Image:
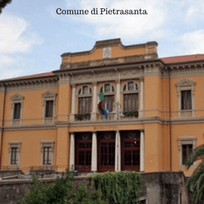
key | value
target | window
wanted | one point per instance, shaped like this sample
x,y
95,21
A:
x,y
185,89
16,109
186,145
14,153
109,93
47,155
186,103
49,109
186,152
47,148
49,99
84,100
130,97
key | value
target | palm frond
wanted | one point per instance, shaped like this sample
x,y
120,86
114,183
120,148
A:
x,y
198,153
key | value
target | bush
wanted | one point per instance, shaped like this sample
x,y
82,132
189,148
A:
x,y
60,192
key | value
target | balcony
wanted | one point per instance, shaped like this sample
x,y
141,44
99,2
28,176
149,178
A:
x,y
186,113
111,116
130,114
82,117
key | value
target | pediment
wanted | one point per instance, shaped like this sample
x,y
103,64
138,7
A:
x,y
49,94
17,97
185,83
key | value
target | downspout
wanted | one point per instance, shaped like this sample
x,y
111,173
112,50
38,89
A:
x,y
2,125
170,131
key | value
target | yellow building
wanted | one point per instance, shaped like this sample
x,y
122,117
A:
x,y
155,112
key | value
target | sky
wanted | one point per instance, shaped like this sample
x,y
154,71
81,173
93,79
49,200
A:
x,y
33,35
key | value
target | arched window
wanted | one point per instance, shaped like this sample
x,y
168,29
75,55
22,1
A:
x,y
130,96
109,93
84,100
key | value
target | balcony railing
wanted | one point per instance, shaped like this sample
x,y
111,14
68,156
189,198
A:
x,y
111,116
130,114
186,113
82,117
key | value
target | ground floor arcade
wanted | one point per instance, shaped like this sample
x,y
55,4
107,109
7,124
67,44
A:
x,y
107,151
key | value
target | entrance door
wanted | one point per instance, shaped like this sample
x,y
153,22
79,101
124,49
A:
x,y
106,151
83,152
130,141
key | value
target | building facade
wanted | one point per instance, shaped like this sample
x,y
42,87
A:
x,y
156,112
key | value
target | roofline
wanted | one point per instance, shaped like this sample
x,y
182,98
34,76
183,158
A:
x,y
109,42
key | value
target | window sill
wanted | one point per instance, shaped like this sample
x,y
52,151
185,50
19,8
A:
x,y
186,113
49,120
16,122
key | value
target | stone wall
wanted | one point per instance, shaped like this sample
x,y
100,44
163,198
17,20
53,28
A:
x,y
157,188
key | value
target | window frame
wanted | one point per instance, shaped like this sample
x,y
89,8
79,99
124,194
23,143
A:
x,y
112,92
48,96
80,95
185,141
14,144
49,144
135,90
15,100
185,85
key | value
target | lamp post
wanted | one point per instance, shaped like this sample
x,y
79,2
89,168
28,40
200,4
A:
x,y
118,114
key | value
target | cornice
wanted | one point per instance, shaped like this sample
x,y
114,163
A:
x,y
30,83
109,61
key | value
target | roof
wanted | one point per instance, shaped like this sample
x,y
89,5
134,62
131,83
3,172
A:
x,y
184,58
46,74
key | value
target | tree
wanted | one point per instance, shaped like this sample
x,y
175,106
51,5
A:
x,y
60,192
3,3
196,181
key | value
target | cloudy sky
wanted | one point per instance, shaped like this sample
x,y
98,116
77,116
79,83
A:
x,y
33,36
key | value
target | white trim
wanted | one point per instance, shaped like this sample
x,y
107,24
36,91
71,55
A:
x,y
184,141
49,96
18,145
185,85
47,143
16,99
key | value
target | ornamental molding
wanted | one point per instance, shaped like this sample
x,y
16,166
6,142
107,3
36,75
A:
x,y
49,94
64,78
31,84
185,83
184,70
17,97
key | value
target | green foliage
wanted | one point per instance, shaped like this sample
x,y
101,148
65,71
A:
x,y
84,196
130,113
118,187
82,116
60,192
196,182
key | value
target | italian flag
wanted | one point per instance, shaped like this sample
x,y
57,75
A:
x,y
103,105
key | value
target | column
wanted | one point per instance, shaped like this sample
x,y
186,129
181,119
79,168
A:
x,y
141,112
117,152
73,102
72,153
142,150
93,115
94,153
117,95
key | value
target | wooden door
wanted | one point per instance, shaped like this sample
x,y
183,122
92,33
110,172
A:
x,y
130,150
83,149
106,151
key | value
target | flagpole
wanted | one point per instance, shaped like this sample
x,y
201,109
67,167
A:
x,y
117,133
